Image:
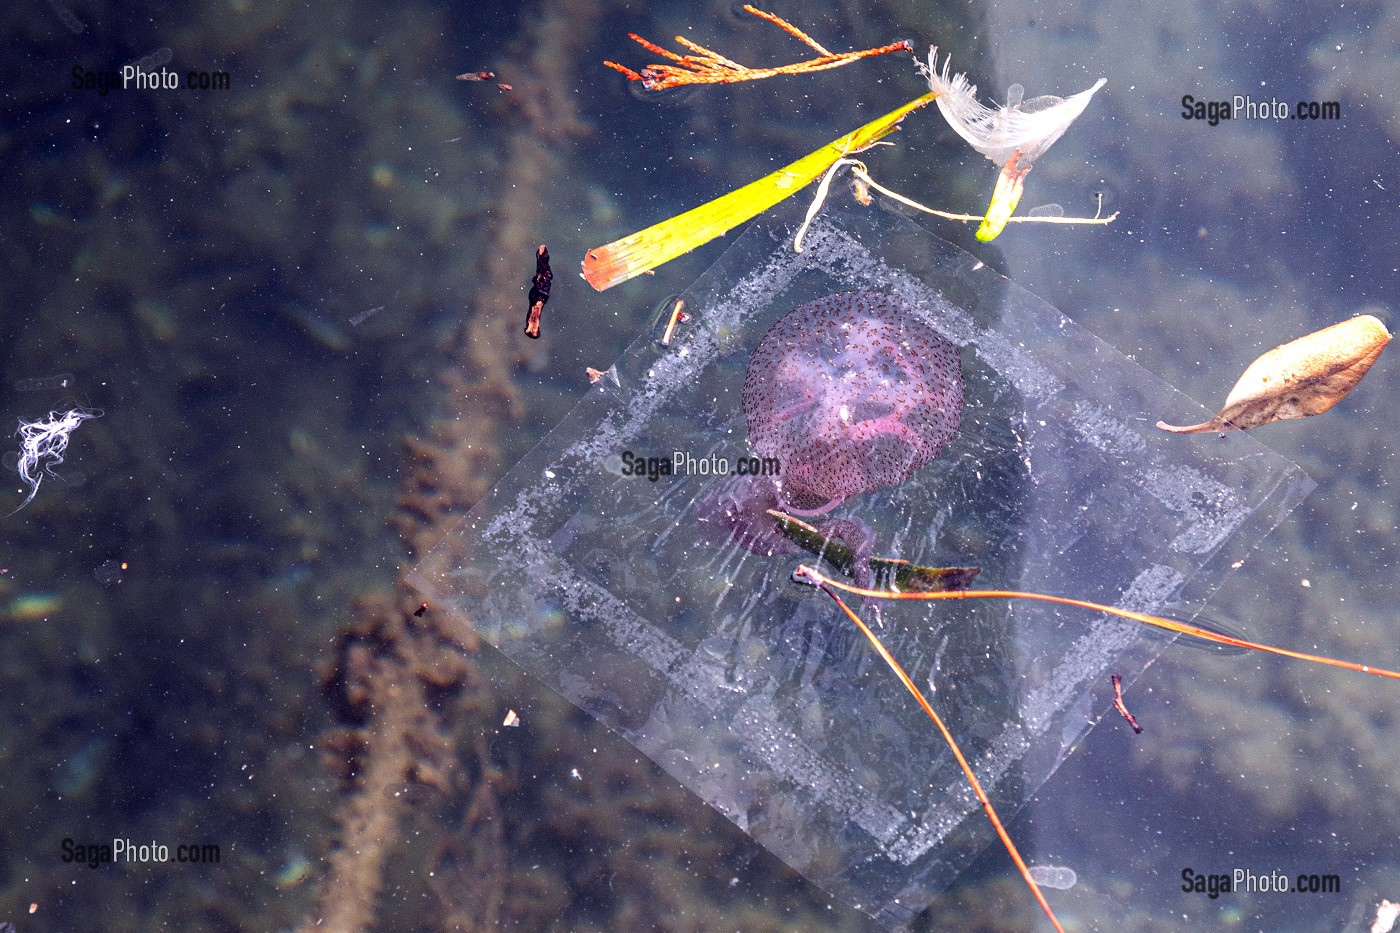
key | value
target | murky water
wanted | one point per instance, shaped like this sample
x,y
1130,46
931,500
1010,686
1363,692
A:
x,y
266,287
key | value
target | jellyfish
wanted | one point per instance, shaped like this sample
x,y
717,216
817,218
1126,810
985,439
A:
x,y
849,393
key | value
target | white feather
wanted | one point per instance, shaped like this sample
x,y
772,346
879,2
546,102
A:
x,y
1029,127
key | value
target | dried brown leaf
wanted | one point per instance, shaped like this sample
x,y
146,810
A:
x,y
1304,377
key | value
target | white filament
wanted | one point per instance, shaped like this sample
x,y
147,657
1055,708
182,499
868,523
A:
x,y
46,440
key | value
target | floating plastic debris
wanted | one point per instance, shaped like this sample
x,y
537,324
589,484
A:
x,y
751,690
363,316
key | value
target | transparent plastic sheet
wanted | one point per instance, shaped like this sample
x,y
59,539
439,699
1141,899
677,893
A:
x,y
753,691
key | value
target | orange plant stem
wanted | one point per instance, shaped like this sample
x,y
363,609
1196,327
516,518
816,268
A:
x,y
808,574
952,743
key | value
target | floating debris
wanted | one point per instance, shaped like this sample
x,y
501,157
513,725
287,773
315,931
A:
x,y
708,67
1387,913
596,375
512,720
539,292
154,60
676,313
46,441
640,252
75,26
476,76
45,383
1304,377
889,573
1122,707
1012,136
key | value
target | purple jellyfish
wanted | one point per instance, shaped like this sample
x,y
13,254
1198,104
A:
x,y
850,393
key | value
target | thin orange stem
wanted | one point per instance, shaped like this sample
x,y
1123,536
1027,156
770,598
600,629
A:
x,y
654,48
809,574
706,56
947,737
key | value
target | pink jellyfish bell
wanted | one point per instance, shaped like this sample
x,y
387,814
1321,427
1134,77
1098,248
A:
x,y
851,393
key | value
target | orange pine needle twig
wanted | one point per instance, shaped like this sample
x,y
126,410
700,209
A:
x,y
810,575
820,581
709,67
807,574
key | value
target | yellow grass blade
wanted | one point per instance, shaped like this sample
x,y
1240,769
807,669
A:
x,y
632,255
1011,183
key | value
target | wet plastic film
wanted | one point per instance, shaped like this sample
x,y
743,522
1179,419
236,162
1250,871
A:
x,y
753,691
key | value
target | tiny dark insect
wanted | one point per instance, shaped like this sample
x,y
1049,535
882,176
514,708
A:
x,y
418,613
539,292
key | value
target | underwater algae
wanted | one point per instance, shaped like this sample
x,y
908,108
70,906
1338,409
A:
x,y
744,687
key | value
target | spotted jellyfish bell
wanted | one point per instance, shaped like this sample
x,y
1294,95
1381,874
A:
x,y
850,393
1012,136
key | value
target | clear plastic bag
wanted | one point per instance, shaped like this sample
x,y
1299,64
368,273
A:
x,y
753,691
